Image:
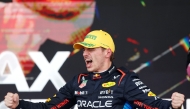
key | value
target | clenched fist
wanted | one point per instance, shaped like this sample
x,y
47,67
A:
x,y
11,100
177,100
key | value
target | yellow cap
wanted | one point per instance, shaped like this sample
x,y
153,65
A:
x,y
96,38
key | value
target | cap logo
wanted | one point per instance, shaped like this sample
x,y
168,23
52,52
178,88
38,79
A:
x,y
87,44
91,37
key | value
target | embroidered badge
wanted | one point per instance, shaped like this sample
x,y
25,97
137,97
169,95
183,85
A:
x,y
96,76
83,84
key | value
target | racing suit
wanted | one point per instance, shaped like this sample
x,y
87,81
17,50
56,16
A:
x,y
116,88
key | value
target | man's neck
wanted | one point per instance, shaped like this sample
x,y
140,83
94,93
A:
x,y
109,65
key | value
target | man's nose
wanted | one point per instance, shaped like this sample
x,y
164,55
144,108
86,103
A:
x,y
85,52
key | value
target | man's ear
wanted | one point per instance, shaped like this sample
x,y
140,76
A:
x,y
108,52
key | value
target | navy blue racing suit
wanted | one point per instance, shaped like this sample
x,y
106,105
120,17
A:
x,y
116,88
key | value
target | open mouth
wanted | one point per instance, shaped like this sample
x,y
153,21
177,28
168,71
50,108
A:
x,y
88,63
58,10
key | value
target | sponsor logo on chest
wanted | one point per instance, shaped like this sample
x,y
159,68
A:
x,y
108,84
103,92
94,104
81,92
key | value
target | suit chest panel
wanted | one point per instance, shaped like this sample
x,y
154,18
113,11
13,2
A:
x,y
99,93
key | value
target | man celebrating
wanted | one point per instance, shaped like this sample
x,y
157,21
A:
x,y
103,86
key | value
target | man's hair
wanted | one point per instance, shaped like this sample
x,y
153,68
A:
x,y
112,57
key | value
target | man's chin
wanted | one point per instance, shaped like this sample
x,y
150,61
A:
x,y
89,69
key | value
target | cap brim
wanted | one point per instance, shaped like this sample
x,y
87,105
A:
x,y
80,45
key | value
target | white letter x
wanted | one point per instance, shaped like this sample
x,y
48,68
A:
x,y
49,71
